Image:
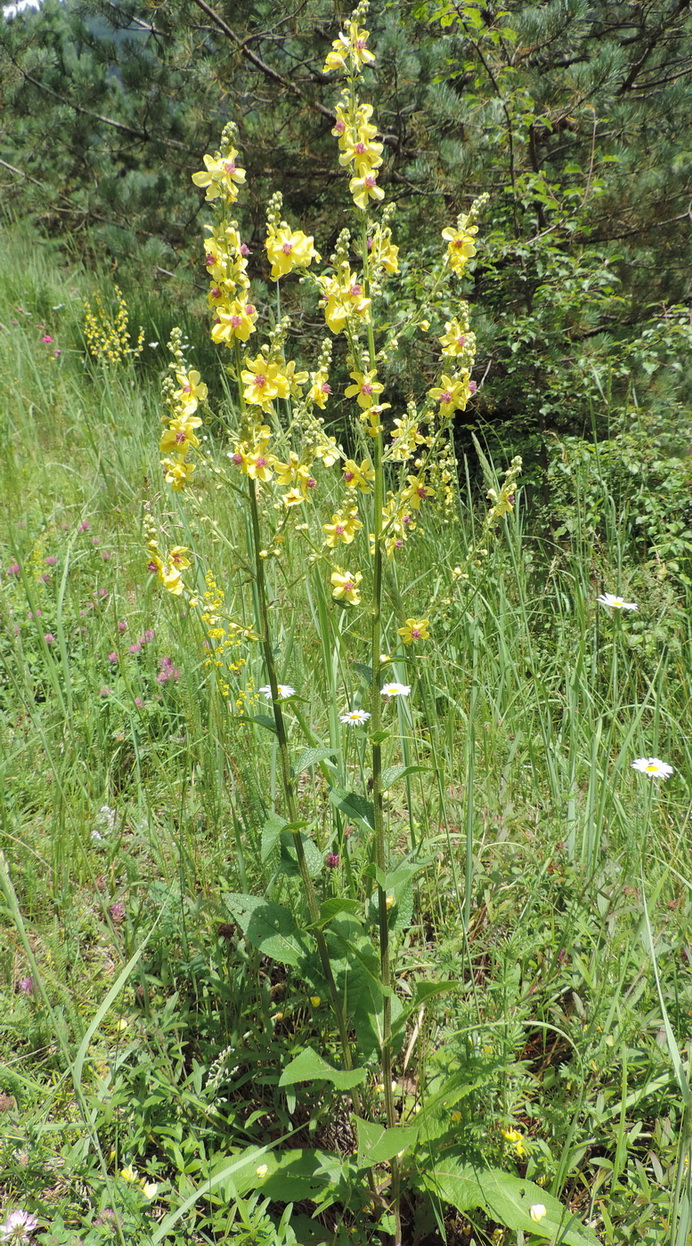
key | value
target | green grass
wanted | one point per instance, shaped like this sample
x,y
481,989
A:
x,y
555,881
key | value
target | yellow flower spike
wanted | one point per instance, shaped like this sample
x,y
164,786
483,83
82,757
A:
x,y
345,586
414,629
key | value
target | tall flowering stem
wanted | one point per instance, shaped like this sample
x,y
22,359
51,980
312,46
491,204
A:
x,y
281,445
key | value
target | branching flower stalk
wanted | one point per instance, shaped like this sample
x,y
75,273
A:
x,y
281,446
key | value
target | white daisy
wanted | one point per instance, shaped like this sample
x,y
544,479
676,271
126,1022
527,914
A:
x,y
653,766
284,691
395,690
356,717
616,603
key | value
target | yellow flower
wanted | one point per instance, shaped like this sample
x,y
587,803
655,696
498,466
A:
x,y
237,320
192,391
342,298
222,176
149,1188
365,390
457,339
342,528
364,154
257,466
294,497
177,472
129,1173
345,585
356,477
263,381
262,1170
315,1001
319,390
460,245
365,188
180,435
296,380
416,491
349,47
289,249
516,1140
414,629
452,394
328,451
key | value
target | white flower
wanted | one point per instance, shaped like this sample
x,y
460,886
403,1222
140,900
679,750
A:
x,y
653,766
537,1212
616,603
395,690
284,691
18,1227
357,717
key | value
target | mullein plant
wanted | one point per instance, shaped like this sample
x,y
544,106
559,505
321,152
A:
x,y
280,459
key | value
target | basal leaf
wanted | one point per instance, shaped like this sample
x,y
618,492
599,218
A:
x,y
507,1198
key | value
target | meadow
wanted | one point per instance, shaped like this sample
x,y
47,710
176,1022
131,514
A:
x,y
284,959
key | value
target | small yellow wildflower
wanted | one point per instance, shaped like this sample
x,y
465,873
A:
x,y
289,249
234,320
365,390
262,1170
414,629
345,585
356,477
460,244
364,189
222,176
192,391
342,528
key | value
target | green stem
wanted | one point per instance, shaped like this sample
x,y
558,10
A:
x,y
375,723
289,787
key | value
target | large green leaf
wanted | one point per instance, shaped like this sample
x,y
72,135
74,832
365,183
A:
x,y
376,1144
506,1198
353,806
312,756
309,1066
269,927
393,773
